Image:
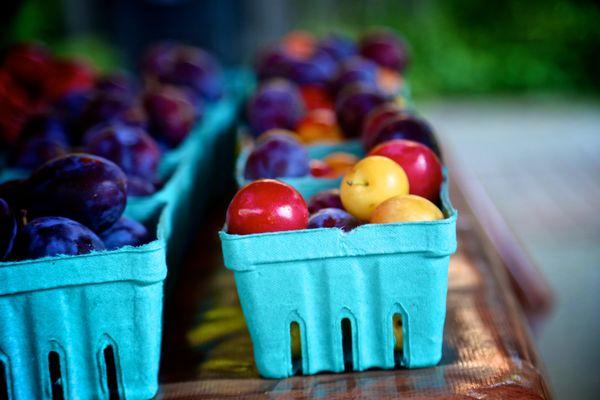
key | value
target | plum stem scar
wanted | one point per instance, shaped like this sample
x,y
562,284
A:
x,y
357,183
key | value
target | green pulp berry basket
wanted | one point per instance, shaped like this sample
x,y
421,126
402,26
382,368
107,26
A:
x,y
322,278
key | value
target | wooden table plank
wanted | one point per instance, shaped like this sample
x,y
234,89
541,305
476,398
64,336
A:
x,y
487,350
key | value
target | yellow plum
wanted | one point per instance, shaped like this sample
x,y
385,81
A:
x,y
371,181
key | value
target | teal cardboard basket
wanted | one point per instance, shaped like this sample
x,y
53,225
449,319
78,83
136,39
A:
x,y
323,278
89,326
83,327
306,185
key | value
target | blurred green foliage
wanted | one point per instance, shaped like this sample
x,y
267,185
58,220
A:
x,y
44,20
470,46
457,46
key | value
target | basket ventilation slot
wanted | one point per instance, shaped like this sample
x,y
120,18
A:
x,y
112,382
56,380
296,347
398,340
3,382
347,344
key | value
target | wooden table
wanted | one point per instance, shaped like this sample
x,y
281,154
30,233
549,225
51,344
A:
x,y
488,352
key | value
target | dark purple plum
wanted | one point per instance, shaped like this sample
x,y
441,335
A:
x,y
118,84
139,187
135,115
325,199
125,232
83,187
52,236
352,106
338,46
332,218
172,112
272,62
197,70
277,157
69,110
355,70
8,229
130,147
385,48
409,127
28,63
276,104
37,151
13,191
104,107
43,138
45,126
158,59
319,69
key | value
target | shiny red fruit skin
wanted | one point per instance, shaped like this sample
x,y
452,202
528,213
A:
x,y
266,205
319,168
316,97
28,62
421,165
68,75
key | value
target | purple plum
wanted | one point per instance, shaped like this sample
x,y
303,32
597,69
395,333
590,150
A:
x,y
43,138
8,229
318,69
37,151
277,157
276,104
83,187
332,218
272,62
355,70
158,59
125,232
46,126
69,110
52,236
409,127
197,70
104,107
172,112
130,147
385,48
325,199
137,186
352,106
13,192
338,46
118,84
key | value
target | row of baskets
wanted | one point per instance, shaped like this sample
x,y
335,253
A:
x,y
90,326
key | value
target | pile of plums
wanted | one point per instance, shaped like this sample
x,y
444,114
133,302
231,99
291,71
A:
x,y
71,205
51,107
279,154
322,88
399,181
328,90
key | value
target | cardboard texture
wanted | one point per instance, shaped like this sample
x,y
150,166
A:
x,y
319,277
76,307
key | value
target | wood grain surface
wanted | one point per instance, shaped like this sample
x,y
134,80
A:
x,y
207,352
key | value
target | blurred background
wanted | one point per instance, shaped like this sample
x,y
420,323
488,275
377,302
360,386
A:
x,y
512,88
